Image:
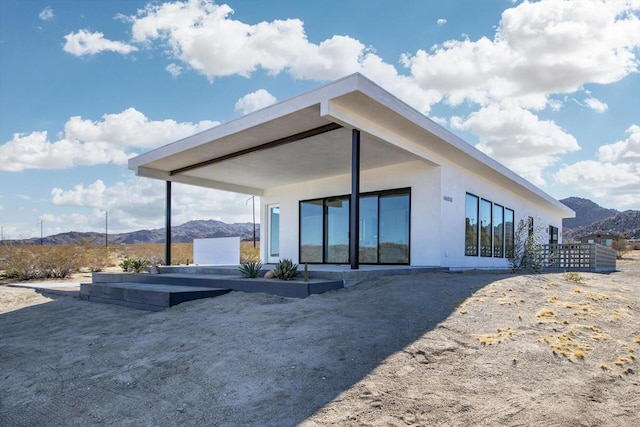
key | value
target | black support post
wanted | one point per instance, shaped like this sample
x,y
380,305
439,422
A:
x,y
167,240
354,202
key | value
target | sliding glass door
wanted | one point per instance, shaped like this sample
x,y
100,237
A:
x,y
394,229
337,229
311,231
384,228
369,229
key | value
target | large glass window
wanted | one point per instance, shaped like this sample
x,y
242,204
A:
x,y
471,226
383,228
311,231
498,231
485,228
394,229
337,229
553,235
508,233
369,229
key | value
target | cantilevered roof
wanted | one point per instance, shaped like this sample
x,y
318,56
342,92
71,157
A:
x,y
309,137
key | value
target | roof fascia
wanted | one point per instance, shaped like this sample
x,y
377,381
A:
x,y
386,99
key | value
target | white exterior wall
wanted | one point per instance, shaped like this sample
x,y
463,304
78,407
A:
x,y
437,225
423,179
458,181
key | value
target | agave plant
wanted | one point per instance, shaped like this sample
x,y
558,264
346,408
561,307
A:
x,y
285,269
250,269
134,264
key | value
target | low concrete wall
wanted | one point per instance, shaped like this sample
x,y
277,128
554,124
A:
x,y
217,251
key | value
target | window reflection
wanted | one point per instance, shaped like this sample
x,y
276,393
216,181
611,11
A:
x,y
383,229
311,229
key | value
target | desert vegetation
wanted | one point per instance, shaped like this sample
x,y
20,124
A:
x,y
30,262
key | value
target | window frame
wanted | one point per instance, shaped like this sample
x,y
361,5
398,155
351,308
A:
x,y
396,191
477,228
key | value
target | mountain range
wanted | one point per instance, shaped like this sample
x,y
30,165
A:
x,y
593,218
590,218
184,233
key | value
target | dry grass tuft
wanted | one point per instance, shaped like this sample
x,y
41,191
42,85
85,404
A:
x,y
572,276
567,347
596,296
605,367
546,313
621,361
502,335
620,313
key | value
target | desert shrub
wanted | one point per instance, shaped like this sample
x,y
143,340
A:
x,y
28,262
285,269
135,265
59,262
621,246
527,248
572,276
125,264
250,269
19,262
96,258
248,253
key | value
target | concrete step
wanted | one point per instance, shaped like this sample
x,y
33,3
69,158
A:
x,y
146,296
292,288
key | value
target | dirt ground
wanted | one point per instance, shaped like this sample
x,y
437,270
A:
x,y
474,348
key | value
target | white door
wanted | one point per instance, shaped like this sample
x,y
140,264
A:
x,y
273,235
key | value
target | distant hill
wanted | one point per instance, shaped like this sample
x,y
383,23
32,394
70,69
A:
x,y
593,218
587,212
180,234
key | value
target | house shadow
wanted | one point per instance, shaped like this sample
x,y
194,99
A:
x,y
238,359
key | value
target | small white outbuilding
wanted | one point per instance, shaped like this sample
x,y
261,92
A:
x,y
349,174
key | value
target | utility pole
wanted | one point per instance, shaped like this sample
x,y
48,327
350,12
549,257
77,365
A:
x,y
41,234
106,229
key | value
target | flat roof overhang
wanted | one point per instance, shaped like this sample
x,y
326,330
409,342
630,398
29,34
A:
x,y
308,137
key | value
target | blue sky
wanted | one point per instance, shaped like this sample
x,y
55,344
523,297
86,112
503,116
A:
x,y
551,89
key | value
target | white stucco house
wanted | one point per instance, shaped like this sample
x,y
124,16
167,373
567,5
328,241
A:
x,y
349,174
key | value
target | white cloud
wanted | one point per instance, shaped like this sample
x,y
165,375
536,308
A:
x,y
441,21
139,203
174,69
202,35
539,48
518,139
84,42
613,177
627,151
46,14
86,142
254,101
596,105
